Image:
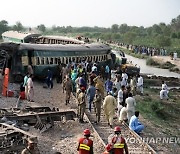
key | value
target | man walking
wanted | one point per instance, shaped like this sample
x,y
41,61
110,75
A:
x,y
90,95
97,105
109,106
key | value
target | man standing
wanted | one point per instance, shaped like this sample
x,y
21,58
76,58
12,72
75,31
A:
x,y
134,123
107,72
90,95
49,81
99,85
25,84
120,99
68,87
32,147
117,142
30,93
109,106
108,85
97,105
81,104
85,145
131,103
133,84
140,84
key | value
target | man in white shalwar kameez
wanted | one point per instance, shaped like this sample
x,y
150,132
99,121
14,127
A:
x,y
30,89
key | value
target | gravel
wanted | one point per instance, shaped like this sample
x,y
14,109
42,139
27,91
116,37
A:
x,y
63,137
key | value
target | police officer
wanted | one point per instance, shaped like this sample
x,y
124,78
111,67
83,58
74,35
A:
x,y
85,145
97,105
81,104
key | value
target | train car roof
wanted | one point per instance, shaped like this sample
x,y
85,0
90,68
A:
x,y
66,47
18,35
61,38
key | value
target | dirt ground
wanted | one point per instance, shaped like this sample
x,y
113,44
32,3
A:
x,y
164,59
63,137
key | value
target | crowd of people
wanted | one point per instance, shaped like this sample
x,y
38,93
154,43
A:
x,y
92,85
97,90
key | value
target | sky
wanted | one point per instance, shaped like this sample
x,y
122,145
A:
x,y
78,13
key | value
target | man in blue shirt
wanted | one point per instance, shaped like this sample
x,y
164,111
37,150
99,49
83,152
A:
x,y
134,123
90,95
108,85
49,77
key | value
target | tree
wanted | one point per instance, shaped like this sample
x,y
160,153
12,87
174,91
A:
x,y
173,35
124,28
156,29
18,26
162,41
114,28
41,27
3,26
129,37
175,23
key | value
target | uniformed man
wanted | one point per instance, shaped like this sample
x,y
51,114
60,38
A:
x,y
109,106
117,142
99,85
32,147
68,87
85,145
97,104
81,104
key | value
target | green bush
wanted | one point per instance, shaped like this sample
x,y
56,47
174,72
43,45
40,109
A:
x,y
152,62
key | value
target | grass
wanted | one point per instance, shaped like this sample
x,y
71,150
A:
x,y
164,114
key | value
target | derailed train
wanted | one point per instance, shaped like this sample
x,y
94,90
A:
x,y
48,52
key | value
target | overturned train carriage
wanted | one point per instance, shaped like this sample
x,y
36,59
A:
x,y
44,56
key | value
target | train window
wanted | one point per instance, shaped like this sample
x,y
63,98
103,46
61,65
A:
x,y
47,60
101,58
42,61
63,60
96,58
51,60
56,60
37,61
73,59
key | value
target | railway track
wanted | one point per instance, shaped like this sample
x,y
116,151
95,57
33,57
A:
x,y
134,141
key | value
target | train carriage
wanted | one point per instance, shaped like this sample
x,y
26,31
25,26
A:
x,y
44,56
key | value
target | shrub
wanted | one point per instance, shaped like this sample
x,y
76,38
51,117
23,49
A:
x,y
152,62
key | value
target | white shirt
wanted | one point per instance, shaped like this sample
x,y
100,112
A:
x,y
120,96
117,84
164,86
163,94
94,68
123,114
140,81
131,103
125,76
